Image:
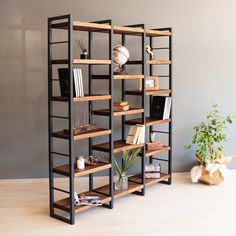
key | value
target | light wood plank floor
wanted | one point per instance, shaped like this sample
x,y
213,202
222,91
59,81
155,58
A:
x,y
182,209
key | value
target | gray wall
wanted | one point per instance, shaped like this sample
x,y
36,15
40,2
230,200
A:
x,y
204,70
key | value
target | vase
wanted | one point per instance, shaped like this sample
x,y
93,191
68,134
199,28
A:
x,y
121,182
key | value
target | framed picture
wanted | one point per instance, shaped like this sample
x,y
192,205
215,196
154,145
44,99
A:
x,y
151,83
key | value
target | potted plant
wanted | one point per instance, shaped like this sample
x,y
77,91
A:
x,y
129,159
209,138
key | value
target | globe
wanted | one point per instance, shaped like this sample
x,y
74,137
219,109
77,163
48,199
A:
x,y
120,57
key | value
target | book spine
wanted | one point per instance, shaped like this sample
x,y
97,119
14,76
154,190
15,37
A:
x,y
75,82
82,86
165,108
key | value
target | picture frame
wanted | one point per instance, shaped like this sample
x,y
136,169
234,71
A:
x,y
151,83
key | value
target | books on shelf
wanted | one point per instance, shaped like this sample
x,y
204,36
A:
x,y
153,171
120,106
120,103
87,200
78,88
136,134
160,108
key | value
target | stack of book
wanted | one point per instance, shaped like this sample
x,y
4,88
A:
x,y
120,106
153,171
136,134
78,90
160,108
87,200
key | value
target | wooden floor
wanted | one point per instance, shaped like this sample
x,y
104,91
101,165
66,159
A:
x,y
182,209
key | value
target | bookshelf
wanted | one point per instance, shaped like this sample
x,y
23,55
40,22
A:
x,y
137,182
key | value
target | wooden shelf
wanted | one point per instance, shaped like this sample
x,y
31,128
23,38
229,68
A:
x,y
64,204
128,77
132,187
158,62
148,182
127,30
119,146
118,77
94,97
149,121
87,26
88,134
131,111
157,33
65,169
148,92
84,26
91,61
155,152
104,28
83,61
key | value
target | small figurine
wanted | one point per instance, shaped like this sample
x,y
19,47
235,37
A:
x,y
76,199
152,136
84,54
80,162
149,51
92,160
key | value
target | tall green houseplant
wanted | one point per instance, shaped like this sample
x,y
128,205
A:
x,y
209,136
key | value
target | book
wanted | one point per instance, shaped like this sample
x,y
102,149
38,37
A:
x,y
160,107
168,108
76,82
131,134
121,108
78,90
79,82
89,200
81,87
63,74
136,134
120,103
141,135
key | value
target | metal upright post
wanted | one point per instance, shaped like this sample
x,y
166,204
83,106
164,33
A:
x,y
50,123
71,116
123,87
170,123
143,106
90,109
111,126
150,99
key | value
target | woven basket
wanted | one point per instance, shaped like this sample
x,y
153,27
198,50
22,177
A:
x,y
215,179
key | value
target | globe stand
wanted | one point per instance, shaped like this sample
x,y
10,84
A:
x,y
119,70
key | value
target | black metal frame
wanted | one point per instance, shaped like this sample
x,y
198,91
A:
x,y
143,69
67,22
169,132
52,153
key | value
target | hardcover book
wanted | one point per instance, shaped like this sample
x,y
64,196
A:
x,y
64,82
160,108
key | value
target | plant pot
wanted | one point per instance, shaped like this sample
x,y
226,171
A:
x,y
121,182
215,179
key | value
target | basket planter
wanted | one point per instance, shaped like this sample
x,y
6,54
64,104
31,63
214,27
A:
x,y
214,179
211,173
